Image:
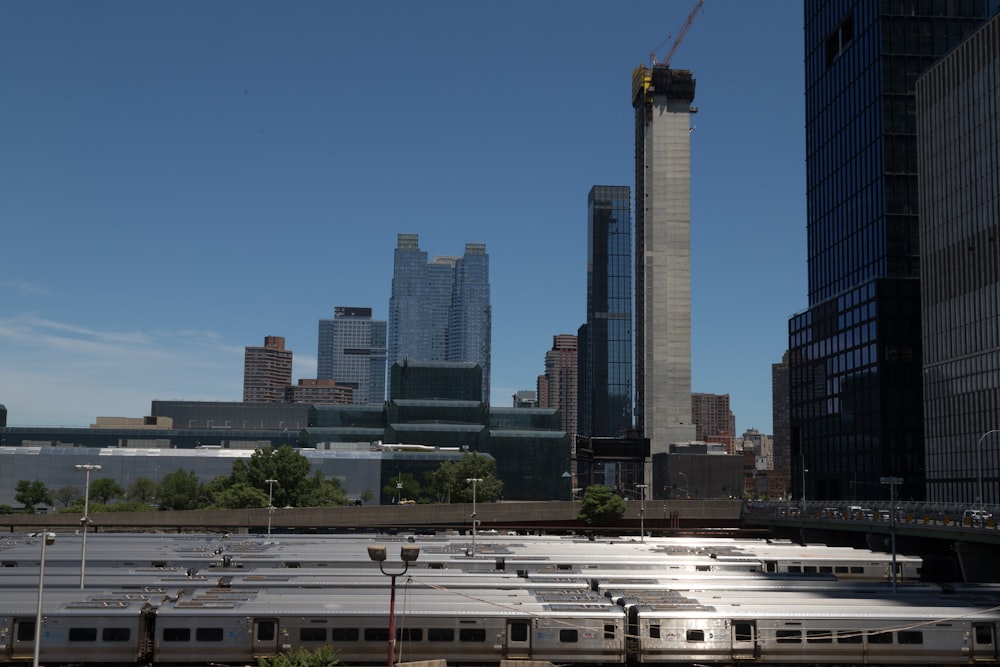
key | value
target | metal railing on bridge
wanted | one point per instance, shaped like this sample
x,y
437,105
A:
x,y
880,512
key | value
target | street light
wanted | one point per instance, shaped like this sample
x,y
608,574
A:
x,y
86,468
408,553
270,505
687,489
47,539
642,511
804,471
893,482
473,481
979,467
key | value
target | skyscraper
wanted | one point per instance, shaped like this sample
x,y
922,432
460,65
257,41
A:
x,y
558,387
662,100
605,376
352,351
959,146
855,354
267,371
713,419
440,310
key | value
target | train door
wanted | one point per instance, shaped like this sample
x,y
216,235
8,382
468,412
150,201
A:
x,y
744,640
518,639
23,639
984,642
265,636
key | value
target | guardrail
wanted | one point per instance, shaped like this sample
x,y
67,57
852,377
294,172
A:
x,y
914,513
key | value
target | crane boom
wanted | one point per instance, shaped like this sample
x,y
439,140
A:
x,y
680,37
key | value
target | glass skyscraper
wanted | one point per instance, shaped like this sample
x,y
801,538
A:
x,y
440,310
351,350
605,377
855,354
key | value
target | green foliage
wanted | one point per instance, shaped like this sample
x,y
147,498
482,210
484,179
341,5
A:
x,y
447,483
402,487
295,484
31,494
180,490
323,493
66,495
237,496
366,496
324,656
141,490
103,490
601,505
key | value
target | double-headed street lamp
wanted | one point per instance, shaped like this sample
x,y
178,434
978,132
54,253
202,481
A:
x,y
47,539
86,468
642,511
270,504
979,467
473,481
408,553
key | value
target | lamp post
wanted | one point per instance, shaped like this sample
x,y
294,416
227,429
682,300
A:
x,y
979,467
642,511
473,481
47,539
687,490
408,553
270,504
893,482
86,468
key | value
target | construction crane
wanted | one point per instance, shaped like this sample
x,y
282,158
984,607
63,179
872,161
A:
x,y
677,42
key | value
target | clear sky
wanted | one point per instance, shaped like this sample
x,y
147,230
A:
x,y
180,179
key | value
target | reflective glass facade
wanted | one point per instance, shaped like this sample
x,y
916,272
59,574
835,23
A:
x,y
958,112
855,356
605,399
351,350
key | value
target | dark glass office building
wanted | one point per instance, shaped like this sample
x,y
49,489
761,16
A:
x,y
855,370
604,401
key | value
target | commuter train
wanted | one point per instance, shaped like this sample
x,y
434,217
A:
x,y
472,626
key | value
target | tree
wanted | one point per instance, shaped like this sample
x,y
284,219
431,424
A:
x,y
285,464
601,505
180,490
141,490
323,492
366,496
104,489
66,495
403,486
324,656
238,496
31,494
447,483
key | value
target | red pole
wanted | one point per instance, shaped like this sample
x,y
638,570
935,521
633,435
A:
x,y
392,620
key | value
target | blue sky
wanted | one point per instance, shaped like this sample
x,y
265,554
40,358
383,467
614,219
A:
x,y
180,179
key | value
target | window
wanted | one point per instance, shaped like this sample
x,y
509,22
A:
x,y
115,634
696,635
519,632
471,635
176,634
568,636
26,631
984,634
654,630
265,631
376,634
409,634
880,638
789,636
440,635
819,636
208,635
609,630
848,636
743,632
83,634
344,634
909,637
312,634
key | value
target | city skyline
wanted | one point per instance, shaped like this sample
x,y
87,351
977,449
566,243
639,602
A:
x,y
247,167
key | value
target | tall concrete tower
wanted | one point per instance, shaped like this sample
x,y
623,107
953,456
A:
x,y
662,100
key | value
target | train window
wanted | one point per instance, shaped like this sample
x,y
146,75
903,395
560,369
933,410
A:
x,y
794,569
743,632
569,636
819,636
376,634
849,637
826,569
410,635
696,635
909,637
312,634
471,635
809,569
83,634
840,569
440,635
208,635
115,634
265,631
984,634
344,634
519,632
609,630
880,638
857,569
654,630
177,634
26,631
789,637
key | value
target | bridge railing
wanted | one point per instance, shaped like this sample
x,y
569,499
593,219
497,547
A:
x,y
908,512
